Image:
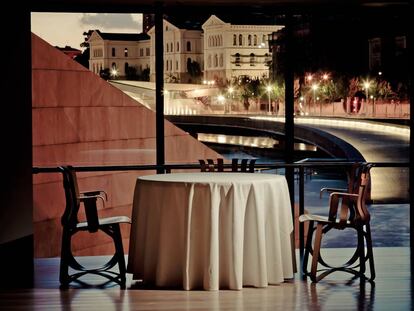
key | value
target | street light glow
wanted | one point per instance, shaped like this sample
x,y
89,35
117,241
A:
x,y
325,76
315,87
268,88
231,90
114,72
220,98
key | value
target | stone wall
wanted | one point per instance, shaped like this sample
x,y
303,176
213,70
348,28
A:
x,y
82,120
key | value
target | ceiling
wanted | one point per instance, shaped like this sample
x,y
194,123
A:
x,y
236,6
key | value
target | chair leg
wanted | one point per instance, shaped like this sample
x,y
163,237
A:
x,y
64,258
308,247
316,250
361,250
120,253
370,253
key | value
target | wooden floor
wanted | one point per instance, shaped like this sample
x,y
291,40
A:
x,y
391,291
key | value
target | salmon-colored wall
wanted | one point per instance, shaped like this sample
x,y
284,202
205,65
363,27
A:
x,y
80,119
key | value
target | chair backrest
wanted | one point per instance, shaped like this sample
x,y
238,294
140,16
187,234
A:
x,y
70,184
246,165
209,166
362,215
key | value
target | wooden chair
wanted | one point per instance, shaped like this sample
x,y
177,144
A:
x,y
246,165
346,210
71,226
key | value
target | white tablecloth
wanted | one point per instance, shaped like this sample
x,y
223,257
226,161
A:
x,y
211,230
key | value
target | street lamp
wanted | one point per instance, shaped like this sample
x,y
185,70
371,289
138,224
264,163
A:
x,y
314,89
230,90
366,87
269,89
114,72
221,100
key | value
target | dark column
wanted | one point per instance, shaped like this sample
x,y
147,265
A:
x,y
16,200
289,105
159,85
410,25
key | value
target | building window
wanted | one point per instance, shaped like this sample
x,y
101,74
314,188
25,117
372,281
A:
x,y
126,52
215,60
221,60
255,40
209,61
113,52
178,47
148,51
249,40
171,47
141,52
176,65
240,39
167,47
264,39
252,59
234,39
188,46
113,66
126,68
188,63
237,62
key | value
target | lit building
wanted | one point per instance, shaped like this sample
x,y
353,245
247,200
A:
x,y
388,54
235,50
221,50
119,51
182,47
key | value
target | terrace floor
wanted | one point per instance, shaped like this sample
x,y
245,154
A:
x,y
391,291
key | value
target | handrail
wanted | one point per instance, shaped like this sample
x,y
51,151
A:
x,y
168,167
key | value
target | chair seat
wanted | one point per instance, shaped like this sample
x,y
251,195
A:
x,y
106,221
319,218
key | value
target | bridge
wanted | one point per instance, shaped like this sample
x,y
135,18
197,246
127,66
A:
x,y
335,132
354,140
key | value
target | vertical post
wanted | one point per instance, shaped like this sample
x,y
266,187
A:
x,y
289,105
301,209
159,86
16,211
411,98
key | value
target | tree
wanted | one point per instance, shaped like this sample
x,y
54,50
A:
x,y
194,70
83,58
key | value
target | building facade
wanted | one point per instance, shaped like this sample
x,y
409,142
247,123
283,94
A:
x,y
231,50
181,47
217,51
119,51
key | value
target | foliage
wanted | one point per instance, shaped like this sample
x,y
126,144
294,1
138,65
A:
x,y
171,78
131,73
83,58
104,73
145,75
194,70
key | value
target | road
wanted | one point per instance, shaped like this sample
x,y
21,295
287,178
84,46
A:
x,y
383,143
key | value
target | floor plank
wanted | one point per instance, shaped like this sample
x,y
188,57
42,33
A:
x,y
392,291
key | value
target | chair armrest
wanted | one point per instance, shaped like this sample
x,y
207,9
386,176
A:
x,y
329,190
91,211
94,193
334,203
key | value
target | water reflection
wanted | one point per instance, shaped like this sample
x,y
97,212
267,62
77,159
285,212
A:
x,y
355,294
